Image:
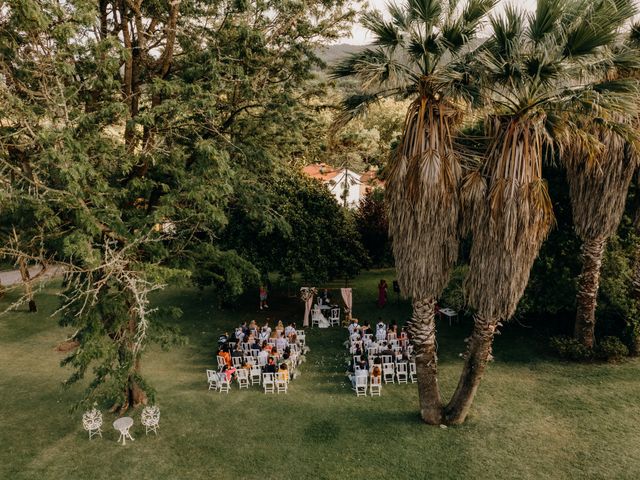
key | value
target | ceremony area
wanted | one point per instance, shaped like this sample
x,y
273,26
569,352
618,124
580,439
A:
x,y
535,416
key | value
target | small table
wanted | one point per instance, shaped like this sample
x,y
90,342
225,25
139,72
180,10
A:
x,y
449,313
123,425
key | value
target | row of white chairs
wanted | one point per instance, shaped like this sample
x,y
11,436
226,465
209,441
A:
x,y
364,383
316,316
271,382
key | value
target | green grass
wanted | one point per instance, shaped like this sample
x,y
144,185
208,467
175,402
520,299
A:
x,y
534,416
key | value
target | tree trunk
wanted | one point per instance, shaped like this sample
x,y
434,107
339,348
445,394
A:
x,y
26,280
588,284
635,284
476,358
423,336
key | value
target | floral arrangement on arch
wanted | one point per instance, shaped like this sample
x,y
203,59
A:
x,y
307,292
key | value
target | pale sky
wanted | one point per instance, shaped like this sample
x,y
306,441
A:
x,y
359,36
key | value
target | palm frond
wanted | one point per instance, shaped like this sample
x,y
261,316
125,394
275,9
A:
x,y
385,33
545,19
426,11
598,26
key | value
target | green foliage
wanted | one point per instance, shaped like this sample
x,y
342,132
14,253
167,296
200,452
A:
x,y
570,349
611,349
304,231
373,227
124,153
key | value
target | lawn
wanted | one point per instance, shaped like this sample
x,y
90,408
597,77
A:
x,y
534,416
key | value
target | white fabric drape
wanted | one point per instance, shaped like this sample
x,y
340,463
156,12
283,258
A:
x,y
347,297
307,310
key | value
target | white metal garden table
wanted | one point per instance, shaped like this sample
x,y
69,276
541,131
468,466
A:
x,y
123,425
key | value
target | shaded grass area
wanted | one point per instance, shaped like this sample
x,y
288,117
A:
x,y
534,417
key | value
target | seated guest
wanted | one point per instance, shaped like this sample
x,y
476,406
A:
x,y
239,334
290,330
365,328
267,327
381,331
353,326
237,352
245,329
264,334
281,342
222,340
229,371
263,356
284,370
224,353
270,367
376,372
279,326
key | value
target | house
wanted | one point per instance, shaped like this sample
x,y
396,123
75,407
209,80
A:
x,y
347,186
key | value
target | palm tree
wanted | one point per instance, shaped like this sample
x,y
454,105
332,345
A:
x,y
422,54
598,187
542,71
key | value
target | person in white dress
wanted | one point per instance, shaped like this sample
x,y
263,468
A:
x,y
381,331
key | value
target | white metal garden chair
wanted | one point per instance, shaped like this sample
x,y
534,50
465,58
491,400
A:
x,y
401,372
361,386
375,388
388,373
92,422
150,418
268,383
242,376
223,383
212,378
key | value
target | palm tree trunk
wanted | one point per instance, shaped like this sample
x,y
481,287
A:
x,y
588,284
477,356
423,336
635,288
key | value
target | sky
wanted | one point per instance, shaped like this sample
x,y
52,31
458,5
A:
x,y
359,36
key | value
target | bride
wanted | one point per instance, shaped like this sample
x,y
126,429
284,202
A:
x,y
316,315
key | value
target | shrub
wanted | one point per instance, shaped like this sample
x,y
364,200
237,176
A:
x,y
569,348
611,349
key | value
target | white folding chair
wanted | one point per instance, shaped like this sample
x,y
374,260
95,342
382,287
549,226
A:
x,y
268,382
236,362
387,359
221,362
401,372
375,388
223,383
316,316
212,377
255,374
92,422
388,373
282,381
361,386
150,418
413,374
356,359
334,317
301,336
242,376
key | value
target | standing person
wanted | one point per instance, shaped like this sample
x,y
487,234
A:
x,y
382,293
263,297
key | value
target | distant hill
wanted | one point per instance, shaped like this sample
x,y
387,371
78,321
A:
x,y
334,53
